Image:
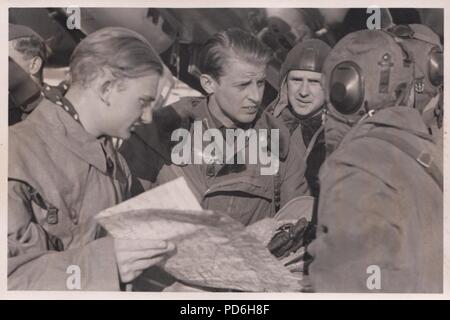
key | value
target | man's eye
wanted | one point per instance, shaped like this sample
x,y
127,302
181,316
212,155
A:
x,y
314,81
260,83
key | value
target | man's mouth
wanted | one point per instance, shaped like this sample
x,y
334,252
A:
x,y
305,102
251,109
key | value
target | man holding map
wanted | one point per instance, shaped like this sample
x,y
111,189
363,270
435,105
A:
x,y
63,170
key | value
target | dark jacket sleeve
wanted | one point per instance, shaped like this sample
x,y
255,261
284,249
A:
x,y
34,262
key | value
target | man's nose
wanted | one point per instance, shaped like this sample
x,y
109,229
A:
x,y
147,115
304,89
253,93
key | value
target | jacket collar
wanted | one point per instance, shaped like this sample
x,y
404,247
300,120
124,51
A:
x,y
403,118
52,121
400,117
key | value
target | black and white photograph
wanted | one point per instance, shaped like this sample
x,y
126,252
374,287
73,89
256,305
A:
x,y
225,149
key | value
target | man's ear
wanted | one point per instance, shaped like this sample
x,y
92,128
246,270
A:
x,y
105,90
35,65
208,83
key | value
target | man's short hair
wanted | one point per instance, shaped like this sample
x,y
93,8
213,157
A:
x,y
27,42
30,47
231,43
123,52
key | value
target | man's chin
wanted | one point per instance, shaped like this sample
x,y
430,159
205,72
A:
x,y
243,123
247,118
303,110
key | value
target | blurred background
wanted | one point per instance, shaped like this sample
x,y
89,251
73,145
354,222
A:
x,y
177,34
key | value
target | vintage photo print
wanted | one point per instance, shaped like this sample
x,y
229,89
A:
x,y
218,150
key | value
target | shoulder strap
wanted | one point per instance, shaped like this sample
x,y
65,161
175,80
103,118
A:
x,y
35,196
422,157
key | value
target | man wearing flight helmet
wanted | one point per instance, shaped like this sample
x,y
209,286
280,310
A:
x,y
380,206
300,102
299,105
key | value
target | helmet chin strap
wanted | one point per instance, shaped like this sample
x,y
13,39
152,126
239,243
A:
x,y
404,95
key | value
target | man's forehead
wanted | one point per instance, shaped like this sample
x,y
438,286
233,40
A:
x,y
236,69
146,85
304,74
152,89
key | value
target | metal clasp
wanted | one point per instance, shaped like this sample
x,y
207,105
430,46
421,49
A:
x,y
424,159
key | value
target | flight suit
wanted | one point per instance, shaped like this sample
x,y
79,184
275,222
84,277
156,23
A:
x,y
59,178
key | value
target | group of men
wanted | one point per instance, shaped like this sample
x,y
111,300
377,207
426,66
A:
x,y
358,129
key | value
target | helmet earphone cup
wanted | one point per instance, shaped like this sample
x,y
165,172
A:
x,y
435,67
346,87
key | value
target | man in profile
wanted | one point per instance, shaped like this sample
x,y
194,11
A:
x,y
64,170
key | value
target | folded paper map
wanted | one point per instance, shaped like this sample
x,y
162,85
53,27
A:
x,y
213,250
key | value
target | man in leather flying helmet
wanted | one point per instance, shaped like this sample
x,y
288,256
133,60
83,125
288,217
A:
x,y
299,105
300,102
380,206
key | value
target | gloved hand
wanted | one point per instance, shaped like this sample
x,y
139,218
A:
x,y
289,238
